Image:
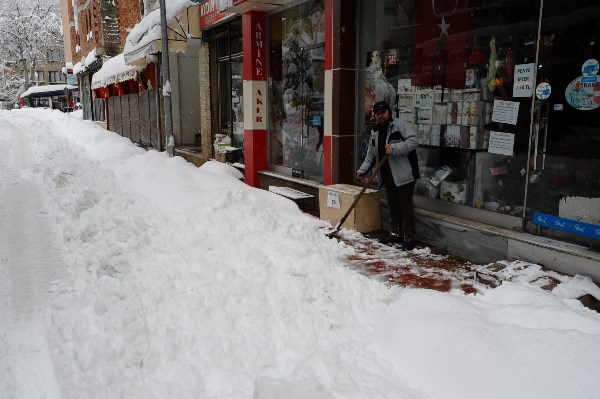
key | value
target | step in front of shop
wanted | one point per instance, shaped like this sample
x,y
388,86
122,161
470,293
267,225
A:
x,y
269,178
483,243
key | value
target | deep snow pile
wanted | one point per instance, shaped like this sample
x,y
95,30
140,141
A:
x,y
183,282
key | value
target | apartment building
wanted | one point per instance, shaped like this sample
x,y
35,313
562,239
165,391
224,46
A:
x,y
95,30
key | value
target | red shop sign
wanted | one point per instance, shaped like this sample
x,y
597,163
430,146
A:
x,y
211,14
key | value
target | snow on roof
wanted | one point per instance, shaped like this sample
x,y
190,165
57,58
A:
x,y
40,90
148,29
112,71
78,68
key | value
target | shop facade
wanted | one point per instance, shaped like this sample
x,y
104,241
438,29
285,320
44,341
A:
x,y
504,96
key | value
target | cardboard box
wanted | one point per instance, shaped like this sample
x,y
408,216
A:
x,y
366,215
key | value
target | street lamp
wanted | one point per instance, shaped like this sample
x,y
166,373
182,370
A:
x,y
166,89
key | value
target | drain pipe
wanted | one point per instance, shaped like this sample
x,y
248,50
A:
x,y
166,89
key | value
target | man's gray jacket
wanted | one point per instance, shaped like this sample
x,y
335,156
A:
x,y
403,159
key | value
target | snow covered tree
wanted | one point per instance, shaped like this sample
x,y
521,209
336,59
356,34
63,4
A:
x,y
27,30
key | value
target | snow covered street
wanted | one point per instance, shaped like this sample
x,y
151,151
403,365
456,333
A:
x,y
128,274
29,255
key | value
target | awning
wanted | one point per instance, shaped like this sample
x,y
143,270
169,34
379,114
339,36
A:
x,y
113,70
242,6
145,38
47,91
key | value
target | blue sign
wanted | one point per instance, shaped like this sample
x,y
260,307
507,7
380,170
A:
x,y
589,79
72,79
316,120
568,225
590,67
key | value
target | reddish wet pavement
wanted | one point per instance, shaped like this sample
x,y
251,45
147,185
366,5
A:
x,y
423,267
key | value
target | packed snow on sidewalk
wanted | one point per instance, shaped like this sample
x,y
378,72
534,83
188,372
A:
x,y
183,282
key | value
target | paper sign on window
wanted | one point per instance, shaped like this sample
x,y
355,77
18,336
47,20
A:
x,y
333,200
505,112
501,143
523,80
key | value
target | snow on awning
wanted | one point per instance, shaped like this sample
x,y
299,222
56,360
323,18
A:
x,y
145,38
114,70
47,91
85,62
78,68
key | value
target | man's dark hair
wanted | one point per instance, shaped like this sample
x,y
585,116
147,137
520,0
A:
x,y
380,106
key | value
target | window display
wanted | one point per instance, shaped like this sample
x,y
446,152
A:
x,y
296,89
497,131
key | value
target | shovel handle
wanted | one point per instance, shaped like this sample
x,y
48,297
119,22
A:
x,y
338,226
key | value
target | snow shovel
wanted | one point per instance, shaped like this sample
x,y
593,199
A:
x,y
338,226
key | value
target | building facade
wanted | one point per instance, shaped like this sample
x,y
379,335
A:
x,y
506,107
97,31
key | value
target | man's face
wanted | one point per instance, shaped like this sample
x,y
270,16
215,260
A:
x,y
382,116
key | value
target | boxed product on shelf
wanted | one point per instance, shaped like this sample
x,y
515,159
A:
x,y
455,192
424,98
471,95
456,95
424,115
451,113
424,134
459,112
439,175
477,137
406,101
407,116
489,110
440,112
435,135
466,113
452,136
405,86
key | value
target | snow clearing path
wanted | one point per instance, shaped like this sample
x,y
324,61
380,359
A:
x,y
29,257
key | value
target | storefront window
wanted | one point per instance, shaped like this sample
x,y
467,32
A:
x,y
228,41
564,182
296,84
508,118
443,66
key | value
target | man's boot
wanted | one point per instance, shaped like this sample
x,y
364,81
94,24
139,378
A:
x,y
393,237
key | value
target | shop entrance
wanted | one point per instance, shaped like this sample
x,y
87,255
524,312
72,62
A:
x,y
227,90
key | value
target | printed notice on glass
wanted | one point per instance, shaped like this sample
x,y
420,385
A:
x,y
523,80
333,199
501,143
505,112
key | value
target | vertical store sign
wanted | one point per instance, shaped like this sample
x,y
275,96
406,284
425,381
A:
x,y
255,73
255,95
